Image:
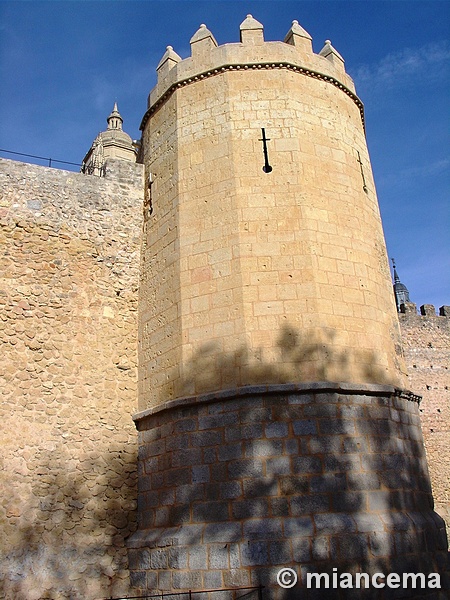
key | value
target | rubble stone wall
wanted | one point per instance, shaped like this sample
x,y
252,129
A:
x,y
70,247
426,344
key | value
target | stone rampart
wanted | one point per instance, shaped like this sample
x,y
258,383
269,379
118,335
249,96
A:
x,y
264,278
70,262
257,288
426,345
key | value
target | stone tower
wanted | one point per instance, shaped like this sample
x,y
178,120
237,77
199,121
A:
x,y
275,428
401,292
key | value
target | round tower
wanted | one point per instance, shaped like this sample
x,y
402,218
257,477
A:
x,y
261,277
273,418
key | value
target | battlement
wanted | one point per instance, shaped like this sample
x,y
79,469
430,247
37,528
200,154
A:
x,y
208,59
426,310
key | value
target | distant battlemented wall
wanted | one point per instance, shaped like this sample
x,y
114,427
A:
x,y
68,295
426,345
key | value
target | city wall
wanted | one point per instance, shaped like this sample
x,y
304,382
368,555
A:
x,y
426,345
70,271
68,295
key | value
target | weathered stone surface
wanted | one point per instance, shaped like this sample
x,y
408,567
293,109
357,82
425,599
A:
x,y
273,279
426,345
251,277
69,296
319,506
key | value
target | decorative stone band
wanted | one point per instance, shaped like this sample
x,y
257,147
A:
x,y
299,388
259,65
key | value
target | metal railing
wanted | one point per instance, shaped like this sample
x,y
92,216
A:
x,y
50,160
234,594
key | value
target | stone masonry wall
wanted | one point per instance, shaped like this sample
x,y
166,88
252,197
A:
x,y
253,277
68,295
70,260
233,486
426,344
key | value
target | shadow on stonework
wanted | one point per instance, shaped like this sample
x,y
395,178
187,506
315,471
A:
x,y
232,490
301,358
66,539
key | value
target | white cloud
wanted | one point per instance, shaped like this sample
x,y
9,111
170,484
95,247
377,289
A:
x,y
429,61
411,175
426,169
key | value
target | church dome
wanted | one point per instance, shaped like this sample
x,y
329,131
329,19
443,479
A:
x,y
111,143
400,287
115,135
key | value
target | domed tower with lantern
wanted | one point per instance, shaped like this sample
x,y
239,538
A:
x,y
112,143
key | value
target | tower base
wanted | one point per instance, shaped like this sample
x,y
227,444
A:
x,y
321,478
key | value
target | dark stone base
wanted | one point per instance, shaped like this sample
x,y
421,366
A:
x,y
235,486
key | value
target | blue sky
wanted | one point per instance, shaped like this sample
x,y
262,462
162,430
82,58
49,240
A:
x,y
63,64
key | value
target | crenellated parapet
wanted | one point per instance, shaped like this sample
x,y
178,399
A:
x,y
426,310
208,59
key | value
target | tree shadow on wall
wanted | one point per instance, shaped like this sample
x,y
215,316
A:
x,y
67,538
234,489
301,357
